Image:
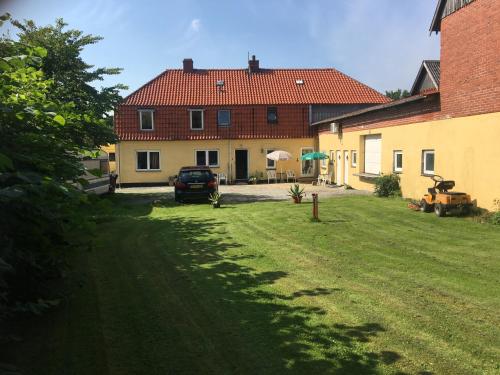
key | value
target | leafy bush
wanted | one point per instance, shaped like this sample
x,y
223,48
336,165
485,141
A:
x,y
387,186
494,218
50,115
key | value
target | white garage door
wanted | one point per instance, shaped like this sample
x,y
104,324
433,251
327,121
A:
x,y
373,153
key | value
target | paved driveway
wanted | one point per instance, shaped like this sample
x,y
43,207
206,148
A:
x,y
251,193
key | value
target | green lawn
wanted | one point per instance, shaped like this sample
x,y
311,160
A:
x,y
261,289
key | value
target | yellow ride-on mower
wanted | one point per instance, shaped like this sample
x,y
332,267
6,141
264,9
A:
x,y
442,201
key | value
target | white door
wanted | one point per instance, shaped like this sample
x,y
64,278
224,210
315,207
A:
x,y
373,153
338,179
346,167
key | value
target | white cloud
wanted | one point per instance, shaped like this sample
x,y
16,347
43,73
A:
x,y
195,25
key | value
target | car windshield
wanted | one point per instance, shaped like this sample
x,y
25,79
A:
x,y
190,176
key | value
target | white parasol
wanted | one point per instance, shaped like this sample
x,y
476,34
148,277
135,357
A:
x,y
279,155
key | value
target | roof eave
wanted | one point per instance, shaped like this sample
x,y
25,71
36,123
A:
x,y
436,20
375,108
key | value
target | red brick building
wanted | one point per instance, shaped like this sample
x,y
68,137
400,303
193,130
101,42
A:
x,y
229,119
450,125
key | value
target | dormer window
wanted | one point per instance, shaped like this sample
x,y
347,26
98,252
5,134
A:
x,y
196,119
146,121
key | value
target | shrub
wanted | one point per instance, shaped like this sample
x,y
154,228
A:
x,y
494,218
387,186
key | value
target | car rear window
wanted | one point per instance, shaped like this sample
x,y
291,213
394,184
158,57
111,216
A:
x,y
188,176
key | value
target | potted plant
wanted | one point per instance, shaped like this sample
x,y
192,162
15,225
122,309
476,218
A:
x,y
215,198
252,180
296,193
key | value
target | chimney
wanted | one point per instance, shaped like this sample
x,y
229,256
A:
x,y
187,65
253,65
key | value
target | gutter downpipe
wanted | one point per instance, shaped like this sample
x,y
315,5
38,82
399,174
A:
x,y
119,165
229,174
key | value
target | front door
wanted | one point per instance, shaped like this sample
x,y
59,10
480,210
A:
x,y
338,178
241,163
346,167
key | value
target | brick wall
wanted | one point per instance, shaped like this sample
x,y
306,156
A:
x,y
470,60
247,122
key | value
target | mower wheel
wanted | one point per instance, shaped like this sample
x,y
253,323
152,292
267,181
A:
x,y
439,210
424,206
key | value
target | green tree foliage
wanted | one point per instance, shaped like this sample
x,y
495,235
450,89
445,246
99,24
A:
x,y
50,115
397,94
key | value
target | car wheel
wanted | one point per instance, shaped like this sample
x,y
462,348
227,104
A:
x,y
424,206
439,210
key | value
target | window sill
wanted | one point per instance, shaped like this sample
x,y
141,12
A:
x,y
427,174
147,130
148,170
197,130
367,175
397,172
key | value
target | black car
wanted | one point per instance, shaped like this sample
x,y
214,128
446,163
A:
x,y
194,183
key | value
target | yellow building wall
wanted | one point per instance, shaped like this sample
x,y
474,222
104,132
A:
x,y
176,154
467,150
112,164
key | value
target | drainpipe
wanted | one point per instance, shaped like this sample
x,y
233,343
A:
x,y
119,165
229,174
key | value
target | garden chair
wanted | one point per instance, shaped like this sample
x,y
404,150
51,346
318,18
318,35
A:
x,y
220,177
328,178
271,175
291,175
320,180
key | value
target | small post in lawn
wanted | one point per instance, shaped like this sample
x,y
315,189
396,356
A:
x,y
315,206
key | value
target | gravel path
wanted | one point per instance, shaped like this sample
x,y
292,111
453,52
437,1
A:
x,y
252,193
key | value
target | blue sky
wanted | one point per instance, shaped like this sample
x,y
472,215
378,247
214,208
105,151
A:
x,y
380,43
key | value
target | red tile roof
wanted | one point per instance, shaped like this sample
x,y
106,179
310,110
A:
x,y
267,86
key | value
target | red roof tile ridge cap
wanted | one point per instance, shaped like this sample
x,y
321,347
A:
x,y
246,69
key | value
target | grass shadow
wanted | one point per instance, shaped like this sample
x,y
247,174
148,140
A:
x,y
178,296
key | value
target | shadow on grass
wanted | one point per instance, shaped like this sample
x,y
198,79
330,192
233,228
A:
x,y
236,322
179,296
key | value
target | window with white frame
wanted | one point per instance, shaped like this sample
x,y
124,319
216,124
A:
x,y
398,161
223,117
428,162
207,157
354,158
148,160
196,119
270,164
146,120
